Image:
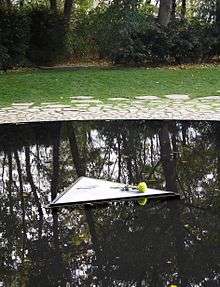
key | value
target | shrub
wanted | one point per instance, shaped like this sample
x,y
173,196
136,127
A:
x,y
47,41
14,37
80,39
191,41
116,32
4,58
134,37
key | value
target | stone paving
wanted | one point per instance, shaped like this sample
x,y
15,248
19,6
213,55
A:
x,y
170,107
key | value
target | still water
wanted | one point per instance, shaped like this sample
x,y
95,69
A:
x,y
117,244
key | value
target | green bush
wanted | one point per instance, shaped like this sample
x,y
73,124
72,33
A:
x,y
191,41
115,33
80,39
14,37
47,41
122,33
4,58
134,37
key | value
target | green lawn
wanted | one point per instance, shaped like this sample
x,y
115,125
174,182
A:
x,y
58,85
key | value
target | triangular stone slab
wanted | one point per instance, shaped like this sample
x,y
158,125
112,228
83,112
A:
x,y
90,190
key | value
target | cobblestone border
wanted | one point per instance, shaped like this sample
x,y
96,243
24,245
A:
x,y
171,107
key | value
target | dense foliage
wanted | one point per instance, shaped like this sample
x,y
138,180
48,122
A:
x,y
14,37
124,32
47,41
136,37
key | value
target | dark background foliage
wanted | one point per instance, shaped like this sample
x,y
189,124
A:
x,y
123,32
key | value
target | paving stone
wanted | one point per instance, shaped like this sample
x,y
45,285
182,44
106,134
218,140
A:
x,y
83,105
138,109
82,98
119,99
177,97
53,106
86,101
211,98
147,98
22,105
70,109
94,109
49,103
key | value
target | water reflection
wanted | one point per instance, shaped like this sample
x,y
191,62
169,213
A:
x,y
120,244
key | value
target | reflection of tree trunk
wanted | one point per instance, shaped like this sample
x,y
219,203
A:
x,y
24,238
34,189
169,167
119,157
95,242
57,258
184,132
80,170
167,159
174,142
155,276
55,179
10,181
128,158
77,160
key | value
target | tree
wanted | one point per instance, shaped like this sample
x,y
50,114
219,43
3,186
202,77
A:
x,y
218,14
183,9
165,10
173,14
53,5
68,5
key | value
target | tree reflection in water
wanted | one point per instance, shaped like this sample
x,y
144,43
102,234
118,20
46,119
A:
x,y
117,244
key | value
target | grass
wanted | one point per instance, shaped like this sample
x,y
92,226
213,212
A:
x,y
59,85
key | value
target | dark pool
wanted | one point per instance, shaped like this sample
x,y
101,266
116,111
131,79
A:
x,y
121,243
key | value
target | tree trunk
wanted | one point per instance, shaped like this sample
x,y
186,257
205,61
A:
x,y
53,5
68,5
183,9
165,12
9,4
173,13
21,3
218,14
